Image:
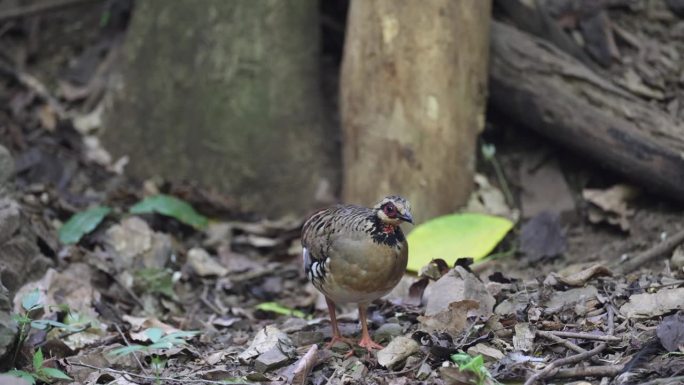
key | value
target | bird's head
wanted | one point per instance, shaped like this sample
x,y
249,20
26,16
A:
x,y
393,210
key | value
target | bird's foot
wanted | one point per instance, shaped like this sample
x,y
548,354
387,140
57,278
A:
x,y
367,343
336,339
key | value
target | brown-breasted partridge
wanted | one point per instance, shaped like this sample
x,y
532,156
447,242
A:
x,y
355,254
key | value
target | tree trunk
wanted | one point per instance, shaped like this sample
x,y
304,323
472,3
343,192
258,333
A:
x,y
541,87
412,100
227,93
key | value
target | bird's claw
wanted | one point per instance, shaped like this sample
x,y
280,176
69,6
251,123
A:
x,y
336,339
367,343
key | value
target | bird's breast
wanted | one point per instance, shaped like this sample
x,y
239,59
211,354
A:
x,y
366,269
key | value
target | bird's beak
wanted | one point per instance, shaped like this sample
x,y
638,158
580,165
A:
x,y
406,218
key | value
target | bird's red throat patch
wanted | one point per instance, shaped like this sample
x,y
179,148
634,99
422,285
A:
x,y
388,229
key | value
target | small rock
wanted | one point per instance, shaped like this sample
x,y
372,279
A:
x,y
6,379
389,330
424,372
678,258
397,351
269,360
305,338
293,324
204,265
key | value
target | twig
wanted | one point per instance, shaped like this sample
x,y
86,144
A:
x,y
628,37
205,300
585,336
153,378
589,371
33,84
39,7
565,361
332,376
304,366
564,342
554,367
128,291
415,367
647,256
118,329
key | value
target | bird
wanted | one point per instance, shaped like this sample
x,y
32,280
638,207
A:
x,y
355,254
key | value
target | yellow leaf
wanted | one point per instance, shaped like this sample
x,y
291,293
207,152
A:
x,y
454,236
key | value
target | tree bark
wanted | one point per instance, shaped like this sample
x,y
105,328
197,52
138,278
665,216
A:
x,y
412,100
541,87
227,93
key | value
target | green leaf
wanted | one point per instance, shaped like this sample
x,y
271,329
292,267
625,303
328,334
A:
x,y
26,376
37,359
21,319
455,236
461,358
81,224
279,309
170,206
475,364
42,324
125,350
55,373
154,334
31,300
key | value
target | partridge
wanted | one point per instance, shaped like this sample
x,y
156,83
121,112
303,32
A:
x,y
355,254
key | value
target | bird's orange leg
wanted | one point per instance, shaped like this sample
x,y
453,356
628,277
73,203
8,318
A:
x,y
366,340
336,336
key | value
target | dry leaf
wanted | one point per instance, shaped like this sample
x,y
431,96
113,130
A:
x,y
579,278
648,305
487,199
542,236
397,351
452,320
204,265
671,332
266,339
610,205
523,340
458,285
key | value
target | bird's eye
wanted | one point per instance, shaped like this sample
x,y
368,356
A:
x,y
390,210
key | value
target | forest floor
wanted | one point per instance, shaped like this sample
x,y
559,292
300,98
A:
x,y
564,305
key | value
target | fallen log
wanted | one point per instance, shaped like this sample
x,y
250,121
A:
x,y
539,86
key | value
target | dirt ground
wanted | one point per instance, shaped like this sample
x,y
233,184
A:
x,y
557,306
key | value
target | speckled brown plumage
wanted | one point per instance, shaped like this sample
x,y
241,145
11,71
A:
x,y
356,254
